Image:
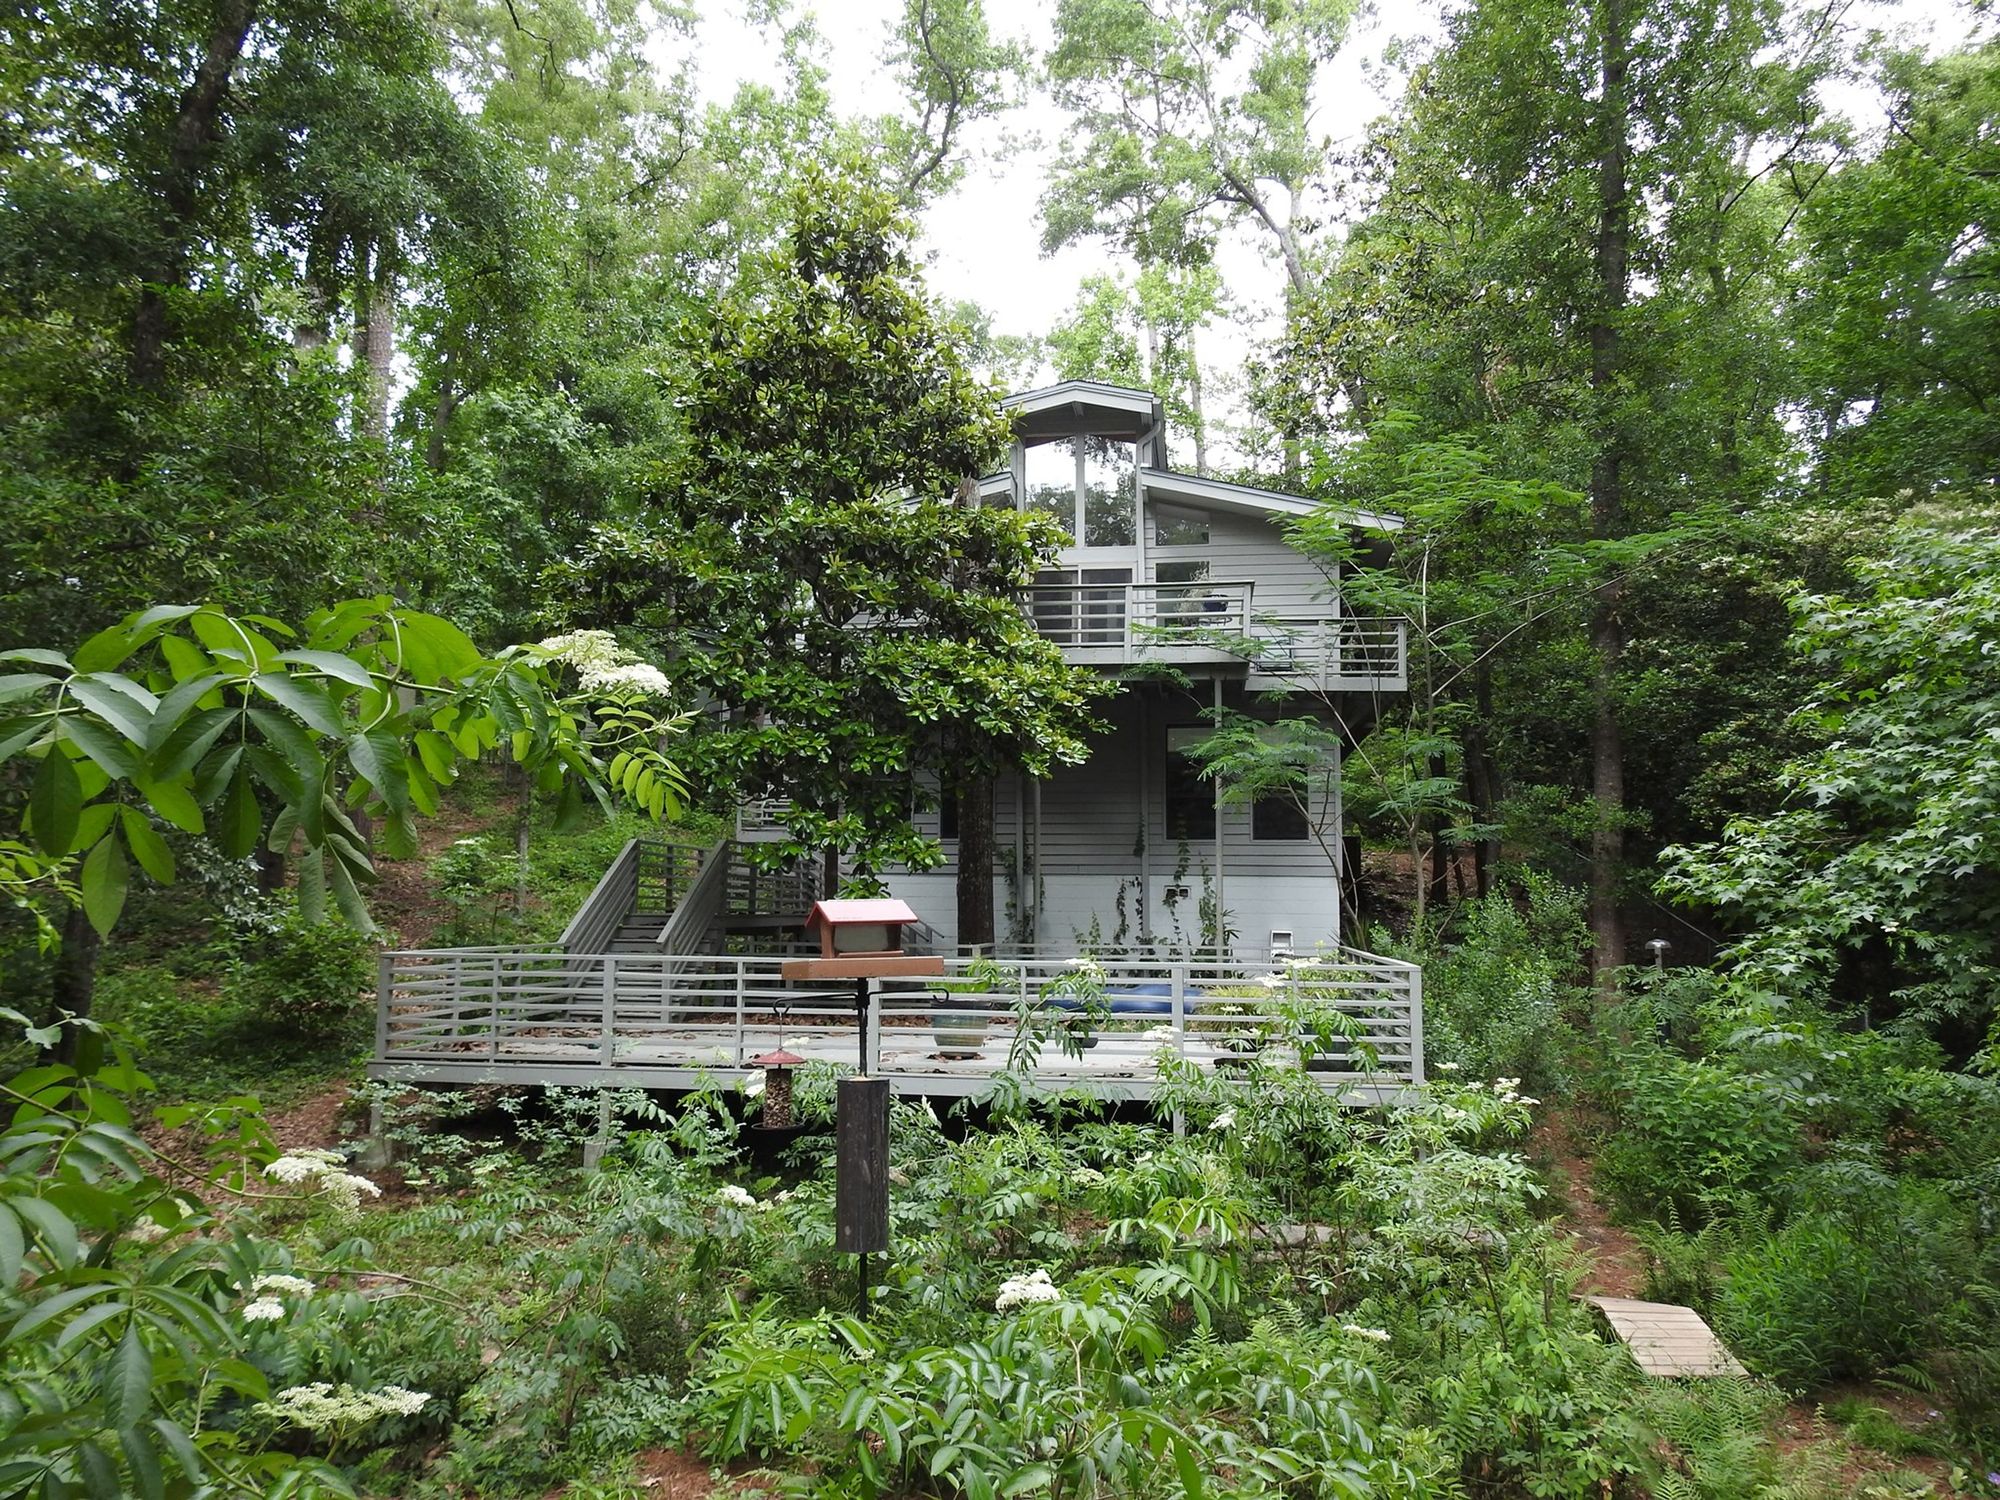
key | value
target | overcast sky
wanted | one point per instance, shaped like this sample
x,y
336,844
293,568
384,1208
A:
x,y
983,241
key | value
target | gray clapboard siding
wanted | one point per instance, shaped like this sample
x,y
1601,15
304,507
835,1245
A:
x,y
1252,549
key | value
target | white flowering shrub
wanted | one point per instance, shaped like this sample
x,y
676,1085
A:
x,y
326,1173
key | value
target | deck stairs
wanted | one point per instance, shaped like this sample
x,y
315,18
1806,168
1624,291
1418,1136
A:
x,y
675,898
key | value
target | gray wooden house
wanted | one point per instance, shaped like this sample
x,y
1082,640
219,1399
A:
x,y
671,974
1166,570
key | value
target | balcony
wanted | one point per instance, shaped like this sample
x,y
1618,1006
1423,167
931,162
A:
x,y
1209,623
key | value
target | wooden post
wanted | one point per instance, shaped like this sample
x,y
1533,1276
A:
x,y
861,1172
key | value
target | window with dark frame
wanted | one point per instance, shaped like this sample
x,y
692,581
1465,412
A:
x,y
947,814
1190,798
1277,818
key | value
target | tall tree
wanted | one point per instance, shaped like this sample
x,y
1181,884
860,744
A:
x,y
1578,216
808,567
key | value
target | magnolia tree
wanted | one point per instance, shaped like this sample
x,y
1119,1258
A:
x,y
814,566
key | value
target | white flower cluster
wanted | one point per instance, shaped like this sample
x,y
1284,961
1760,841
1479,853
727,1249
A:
x,y
1162,1033
267,1294
1088,968
1086,1177
735,1196
284,1286
604,666
1018,1290
1507,1091
1272,981
1224,1121
322,1405
322,1169
1373,1335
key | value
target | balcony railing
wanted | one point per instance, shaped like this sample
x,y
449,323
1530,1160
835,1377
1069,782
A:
x,y
1077,615
1214,621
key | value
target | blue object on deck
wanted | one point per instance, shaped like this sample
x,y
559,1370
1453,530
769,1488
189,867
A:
x,y
1148,998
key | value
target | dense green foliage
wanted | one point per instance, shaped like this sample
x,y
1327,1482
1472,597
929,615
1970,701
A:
x,y
498,319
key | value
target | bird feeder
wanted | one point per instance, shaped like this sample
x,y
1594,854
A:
x,y
861,940
777,1066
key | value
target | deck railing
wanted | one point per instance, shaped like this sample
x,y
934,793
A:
x,y
1204,620
1348,652
1354,1020
1124,615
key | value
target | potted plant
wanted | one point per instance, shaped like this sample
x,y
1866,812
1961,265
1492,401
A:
x,y
959,1011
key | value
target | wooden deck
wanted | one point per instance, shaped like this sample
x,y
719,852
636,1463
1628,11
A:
x,y
678,1021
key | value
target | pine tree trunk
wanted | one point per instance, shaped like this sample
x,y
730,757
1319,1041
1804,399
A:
x,y
376,339
1194,407
1482,782
1607,500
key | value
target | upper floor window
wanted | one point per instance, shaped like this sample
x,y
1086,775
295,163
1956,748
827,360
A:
x,y
1089,485
1179,528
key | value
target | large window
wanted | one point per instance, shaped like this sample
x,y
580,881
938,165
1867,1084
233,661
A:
x,y
1190,797
1089,485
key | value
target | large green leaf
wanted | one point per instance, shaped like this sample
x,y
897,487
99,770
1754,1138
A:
x,y
241,821
307,700
154,857
173,802
119,701
133,1378
54,801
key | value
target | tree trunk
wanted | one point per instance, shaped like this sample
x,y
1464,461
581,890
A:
x,y
1607,500
441,414
1194,407
197,124
975,860
1441,851
375,345
73,982
1482,782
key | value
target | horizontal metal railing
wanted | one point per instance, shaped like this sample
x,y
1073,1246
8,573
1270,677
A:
x,y
1353,1019
1126,615
1349,651
1216,619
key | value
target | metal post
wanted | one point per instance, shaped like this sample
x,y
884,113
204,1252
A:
x,y
861,1027
1416,994
608,1032
1221,906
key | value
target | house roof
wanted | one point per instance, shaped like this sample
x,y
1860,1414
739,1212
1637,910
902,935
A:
x,y
1106,410
1219,494
1085,406
869,910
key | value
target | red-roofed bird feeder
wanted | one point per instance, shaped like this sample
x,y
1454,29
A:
x,y
777,1066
